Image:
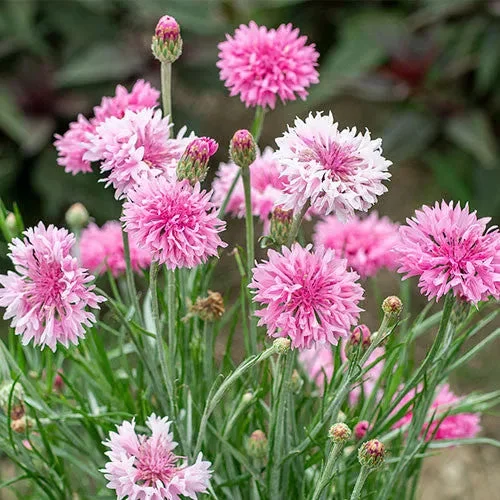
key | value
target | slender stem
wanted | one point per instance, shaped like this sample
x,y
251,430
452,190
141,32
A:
x,y
329,470
132,291
258,122
297,221
222,209
363,474
171,309
166,86
208,359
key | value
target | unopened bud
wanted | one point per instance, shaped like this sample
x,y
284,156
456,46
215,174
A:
x,y
77,216
392,307
193,164
372,454
167,41
282,345
257,444
341,417
247,397
18,411
297,382
242,148
360,336
281,223
361,428
58,381
339,433
21,424
11,224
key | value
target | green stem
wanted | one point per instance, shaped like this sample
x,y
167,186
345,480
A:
x,y
363,474
297,221
329,470
208,359
258,123
171,309
166,86
132,291
222,209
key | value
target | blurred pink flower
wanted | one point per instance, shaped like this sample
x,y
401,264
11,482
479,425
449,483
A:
x,y
307,295
102,248
260,65
48,295
142,466
336,171
454,426
176,223
73,145
136,146
367,243
449,248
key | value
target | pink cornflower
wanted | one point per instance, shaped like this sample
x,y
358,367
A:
x,y
265,182
307,295
367,243
335,171
48,294
136,146
260,65
145,466
73,145
101,248
176,223
453,426
449,248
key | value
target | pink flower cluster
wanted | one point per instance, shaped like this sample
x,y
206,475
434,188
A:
x,y
367,243
449,248
260,65
48,294
145,467
309,296
101,248
73,145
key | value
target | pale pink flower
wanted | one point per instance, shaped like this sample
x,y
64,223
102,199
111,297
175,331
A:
x,y
309,296
73,145
48,294
176,223
337,171
136,146
449,248
367,243
145,466
453,426
101,248
260,65
264,180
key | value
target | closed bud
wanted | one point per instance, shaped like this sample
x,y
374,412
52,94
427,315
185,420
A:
x,y
242,148
372,454
193,164
282,345
257,445
167,41
21,424
392,307
247,397
281,223
360,337
360,429
77,216
297,382
11,223
339,433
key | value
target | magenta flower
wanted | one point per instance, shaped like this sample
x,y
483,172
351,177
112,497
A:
x,y
307,295
367,243
449,248
336,171
453,426
48,294
101,248
265,183
145,467
73,145
193,164
260,64
176,223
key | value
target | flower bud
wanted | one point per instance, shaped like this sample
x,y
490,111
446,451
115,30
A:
x,y
282,345
18,411
247,397
339,433
257,444
193,164
242,148
297,382
167,41
372,454
11,224
77,216
361,428
58,384
21,424
392,307
281,223
360,336
209,308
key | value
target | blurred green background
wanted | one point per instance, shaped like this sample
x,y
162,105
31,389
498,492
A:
x,y
422,74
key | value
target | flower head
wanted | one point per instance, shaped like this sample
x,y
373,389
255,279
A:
x,y
307,295
167,41
193,164
340,432
260,65
136,146
145,466
449,248
176,223
335,171
101,248
257,444
48,294
372,454
366,243
243,149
